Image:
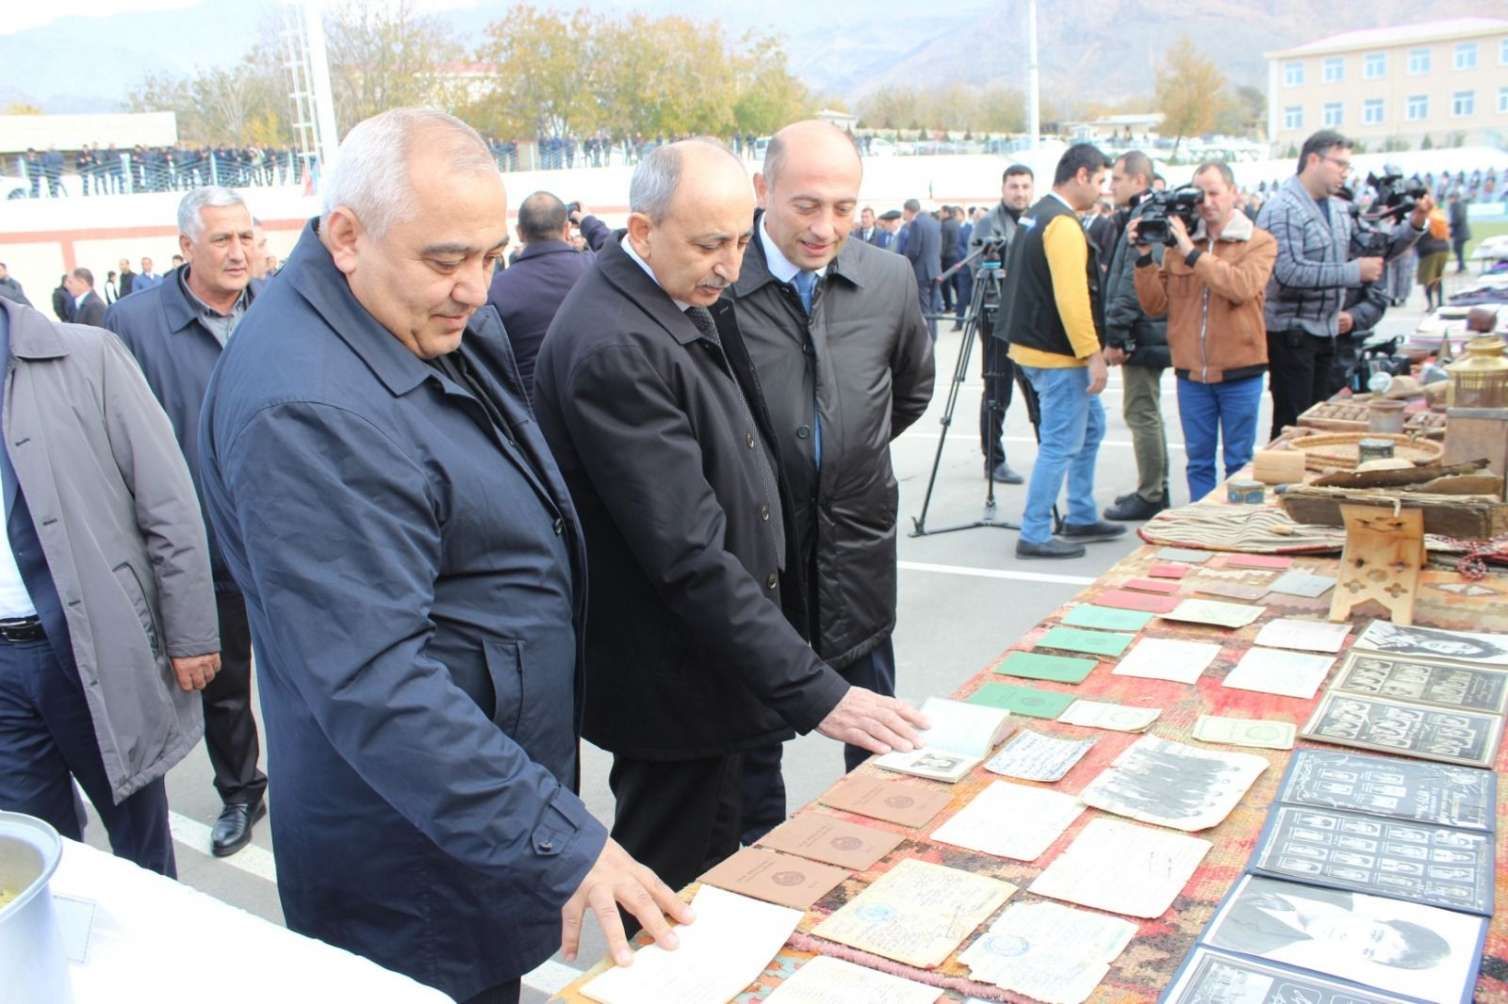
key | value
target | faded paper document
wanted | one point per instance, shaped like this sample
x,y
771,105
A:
x,y
1252,732
826,980
917,913
1295,582
733,939
1048,952
1032,756
1104,715
1168,659
1306,636
962,734
1011,821
1226,615
1287,674
1122,868
1174,784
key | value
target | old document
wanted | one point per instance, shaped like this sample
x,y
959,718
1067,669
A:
x,y
825,980
1122,868
1173,784
823,838
1226,615
962,734
1011,821
1168,659
1306,636
917,913
1253,732
1105,715
1287,674
1032,756
733,939
1048,952
775,878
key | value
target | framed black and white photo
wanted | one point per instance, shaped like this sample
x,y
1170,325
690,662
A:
x,y
1424,681
1388,944
1447,735
1410,790
1434,643
1209,976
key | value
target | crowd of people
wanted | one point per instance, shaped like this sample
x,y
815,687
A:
x,y
635,487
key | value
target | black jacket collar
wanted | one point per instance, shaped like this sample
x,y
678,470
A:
x,y
628,278
848,266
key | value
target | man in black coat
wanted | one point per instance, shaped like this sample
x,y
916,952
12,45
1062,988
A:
x,y
845,363
1460,229
651,407
10,289
527,293
88,306
948,228
921,243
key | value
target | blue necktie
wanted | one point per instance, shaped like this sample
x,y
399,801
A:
x,y
806,284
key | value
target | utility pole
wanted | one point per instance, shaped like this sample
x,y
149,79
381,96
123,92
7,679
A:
x,y
1033,112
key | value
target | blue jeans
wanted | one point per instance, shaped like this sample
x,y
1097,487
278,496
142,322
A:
x,y
1073,423
1209,413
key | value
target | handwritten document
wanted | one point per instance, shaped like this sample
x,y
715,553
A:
x,y
1287,674
825,980
725,950
1306,636
1011,821
1048,952
1122,868
1032,756
1168,659
917,913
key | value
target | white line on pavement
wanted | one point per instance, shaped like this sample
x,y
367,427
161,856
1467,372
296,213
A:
x,y
964,436
250,859
994,573
550,978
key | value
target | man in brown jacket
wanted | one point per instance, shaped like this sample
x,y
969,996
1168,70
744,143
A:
x,y
1212,287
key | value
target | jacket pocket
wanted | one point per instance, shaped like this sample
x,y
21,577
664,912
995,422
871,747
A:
x,y
131,586
505,667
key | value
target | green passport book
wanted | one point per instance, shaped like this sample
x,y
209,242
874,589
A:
x,y
1036,666
1027,701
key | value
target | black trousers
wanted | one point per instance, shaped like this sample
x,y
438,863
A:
x,y
948,287
47,739
999,373
1298,367
678,817
503,993
763,782
230,730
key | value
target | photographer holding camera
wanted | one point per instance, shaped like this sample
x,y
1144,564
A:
x,y
1211,286
1305,296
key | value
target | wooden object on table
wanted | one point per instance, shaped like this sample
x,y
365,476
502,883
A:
x,y
1340,450
1478,432
1383,555
1278,467
1353,414
1395,479
1489,485
1461,517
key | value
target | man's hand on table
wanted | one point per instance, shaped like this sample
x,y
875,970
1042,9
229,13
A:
x,y
617,878
876,723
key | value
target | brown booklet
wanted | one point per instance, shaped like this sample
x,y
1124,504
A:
x,y
775,878
906,802
823,838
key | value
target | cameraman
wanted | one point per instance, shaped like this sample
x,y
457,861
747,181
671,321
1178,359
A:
x,y
1139,345
1211,287
999,373
1313,270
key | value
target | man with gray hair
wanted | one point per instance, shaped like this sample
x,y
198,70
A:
x,y
654,411
177,329
413,567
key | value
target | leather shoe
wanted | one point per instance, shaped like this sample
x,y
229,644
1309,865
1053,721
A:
x,y
1134,507
1002,474
233,829
1053,547
1090,533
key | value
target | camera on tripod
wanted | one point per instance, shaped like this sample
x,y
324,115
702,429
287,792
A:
x,y
1160,207
991,251
1395,196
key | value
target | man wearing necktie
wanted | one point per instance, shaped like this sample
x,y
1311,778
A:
x,y
835,332
653,410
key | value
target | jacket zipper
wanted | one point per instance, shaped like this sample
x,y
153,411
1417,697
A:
x,y
1204,327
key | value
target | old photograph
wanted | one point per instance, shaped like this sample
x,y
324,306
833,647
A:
x,y
1447,735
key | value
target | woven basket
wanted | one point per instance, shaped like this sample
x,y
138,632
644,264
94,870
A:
x,y
1340,450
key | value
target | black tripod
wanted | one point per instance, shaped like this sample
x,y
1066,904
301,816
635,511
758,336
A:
x,y
984,307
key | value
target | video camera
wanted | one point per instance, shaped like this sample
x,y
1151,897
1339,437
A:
x,y
1184,203
1395,196
990,250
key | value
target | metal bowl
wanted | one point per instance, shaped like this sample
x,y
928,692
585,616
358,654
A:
x,y
31,949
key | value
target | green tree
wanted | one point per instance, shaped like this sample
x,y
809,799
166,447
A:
x,y
1189,92
383,54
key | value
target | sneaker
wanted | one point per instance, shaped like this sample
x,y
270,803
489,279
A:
x,y
1091,533
1005,476
1053,547
1134,507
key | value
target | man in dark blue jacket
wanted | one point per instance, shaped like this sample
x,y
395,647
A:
x,y
921,243
177,330
414,569
528,292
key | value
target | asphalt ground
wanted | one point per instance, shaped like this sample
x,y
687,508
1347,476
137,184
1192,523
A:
x,y
964,598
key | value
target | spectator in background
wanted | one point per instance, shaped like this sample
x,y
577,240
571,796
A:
x,y
1434,253
886,227
146,278
112,292
948,229
1460,230
921,243
88,308
62,300
127,277
10,289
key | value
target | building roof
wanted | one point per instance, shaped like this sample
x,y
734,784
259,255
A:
x,y
1403,34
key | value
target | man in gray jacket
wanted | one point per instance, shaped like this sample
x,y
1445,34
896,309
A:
x,y
107,622
996,368
844,361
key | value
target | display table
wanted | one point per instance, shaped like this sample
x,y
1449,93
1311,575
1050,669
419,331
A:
x,y
1145,968
147,938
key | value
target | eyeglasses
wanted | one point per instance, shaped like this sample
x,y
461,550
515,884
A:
x,y
1344,165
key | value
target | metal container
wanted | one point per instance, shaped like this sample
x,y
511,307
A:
x,y
1374,449
1244,491
1385,416
32,959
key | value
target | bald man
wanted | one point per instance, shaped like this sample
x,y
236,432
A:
x,y
652,408
835,331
